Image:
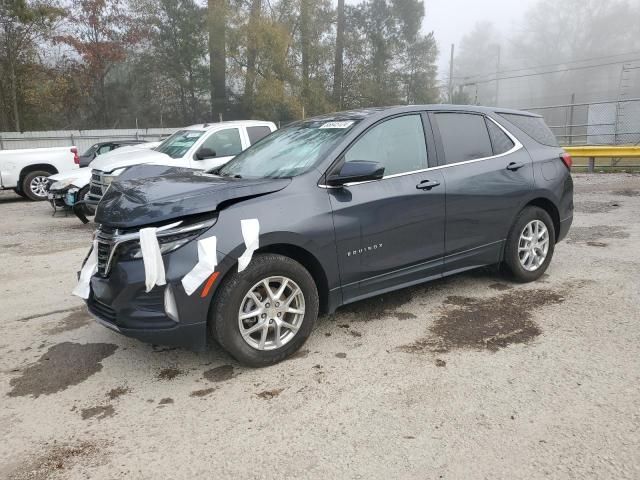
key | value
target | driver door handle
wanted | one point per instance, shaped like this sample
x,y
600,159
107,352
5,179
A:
x,y
427,184
513,166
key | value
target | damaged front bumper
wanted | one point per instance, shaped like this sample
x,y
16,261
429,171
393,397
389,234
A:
x,y
166,315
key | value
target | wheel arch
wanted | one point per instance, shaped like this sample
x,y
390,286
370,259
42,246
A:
x,y
549,207
47,167
308,261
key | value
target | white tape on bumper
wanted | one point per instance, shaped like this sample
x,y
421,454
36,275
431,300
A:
x,y
251,235
89,268
207,262
152,258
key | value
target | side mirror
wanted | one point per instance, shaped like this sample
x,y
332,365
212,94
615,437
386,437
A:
x,y
203,153
356,171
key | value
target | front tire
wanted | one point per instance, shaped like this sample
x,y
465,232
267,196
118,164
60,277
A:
x,y
34,185
266,313
530,245
81,196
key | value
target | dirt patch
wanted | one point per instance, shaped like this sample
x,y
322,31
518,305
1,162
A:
x,y
100,412
169,373
300,354
598,244
202,393
41,315
219,374
76,319
355,333
485,323
62,366
627,192
166,401
501,287
440,363
595,233
376,308
54,460
117,392
589,206
269,394
341,355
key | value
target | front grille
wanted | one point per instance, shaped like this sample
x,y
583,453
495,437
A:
x,y
104,252
105,312
97,187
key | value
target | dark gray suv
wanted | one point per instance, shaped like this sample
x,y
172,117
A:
x,y
325,212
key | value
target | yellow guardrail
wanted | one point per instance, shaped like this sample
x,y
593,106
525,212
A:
x,y
604,151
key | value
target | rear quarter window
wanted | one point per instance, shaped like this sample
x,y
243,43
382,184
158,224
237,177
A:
x,y
534,127
257,133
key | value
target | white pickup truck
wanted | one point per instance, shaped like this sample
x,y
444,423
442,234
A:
x,y
202,147
26,171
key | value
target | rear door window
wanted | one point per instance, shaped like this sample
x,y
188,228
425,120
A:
x,y
257,133
105,149
499,140
464,136
397,144
534,127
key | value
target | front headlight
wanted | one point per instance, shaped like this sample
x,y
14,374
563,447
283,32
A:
x,y
169,240
62,184
107,179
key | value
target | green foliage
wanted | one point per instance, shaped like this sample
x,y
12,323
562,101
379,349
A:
x,y
146,62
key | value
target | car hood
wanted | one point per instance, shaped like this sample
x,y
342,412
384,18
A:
x,y
113,160
78,177
150,194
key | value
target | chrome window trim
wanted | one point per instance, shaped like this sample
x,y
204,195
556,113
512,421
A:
x,y
516,146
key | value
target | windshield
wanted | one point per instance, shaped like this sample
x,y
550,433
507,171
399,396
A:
x,y
179,143
287,152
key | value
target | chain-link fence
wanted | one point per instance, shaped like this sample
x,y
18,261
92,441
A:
x,y
82,139
594,123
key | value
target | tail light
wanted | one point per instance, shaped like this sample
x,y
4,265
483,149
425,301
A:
x,y
567,160
76,158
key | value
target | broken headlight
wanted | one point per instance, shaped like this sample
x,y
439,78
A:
x,y
169,239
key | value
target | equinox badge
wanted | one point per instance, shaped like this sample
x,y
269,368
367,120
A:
x,y
360,251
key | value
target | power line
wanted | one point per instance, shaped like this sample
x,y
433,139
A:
x,y
468,77
584,67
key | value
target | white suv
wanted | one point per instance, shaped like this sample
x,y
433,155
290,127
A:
x,y
202,147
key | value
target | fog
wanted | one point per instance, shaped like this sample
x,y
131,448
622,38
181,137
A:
x,y
451,19
157,63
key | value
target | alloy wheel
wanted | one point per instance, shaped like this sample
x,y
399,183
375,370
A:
x,y
38,186
533,245
271,313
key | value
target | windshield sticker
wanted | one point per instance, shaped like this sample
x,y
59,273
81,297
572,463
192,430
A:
x,y
343,124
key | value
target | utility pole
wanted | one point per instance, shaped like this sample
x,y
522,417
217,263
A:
x,y
451,75
498,77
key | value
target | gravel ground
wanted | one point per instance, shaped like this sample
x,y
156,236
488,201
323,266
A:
x,y
468,377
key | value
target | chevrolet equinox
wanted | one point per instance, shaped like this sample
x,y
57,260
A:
x,y
347,206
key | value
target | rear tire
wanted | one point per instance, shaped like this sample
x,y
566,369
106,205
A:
x,y
527,260
20,192
34,185
244,293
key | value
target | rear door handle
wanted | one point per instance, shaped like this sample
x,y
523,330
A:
x,y
427,184
513,166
